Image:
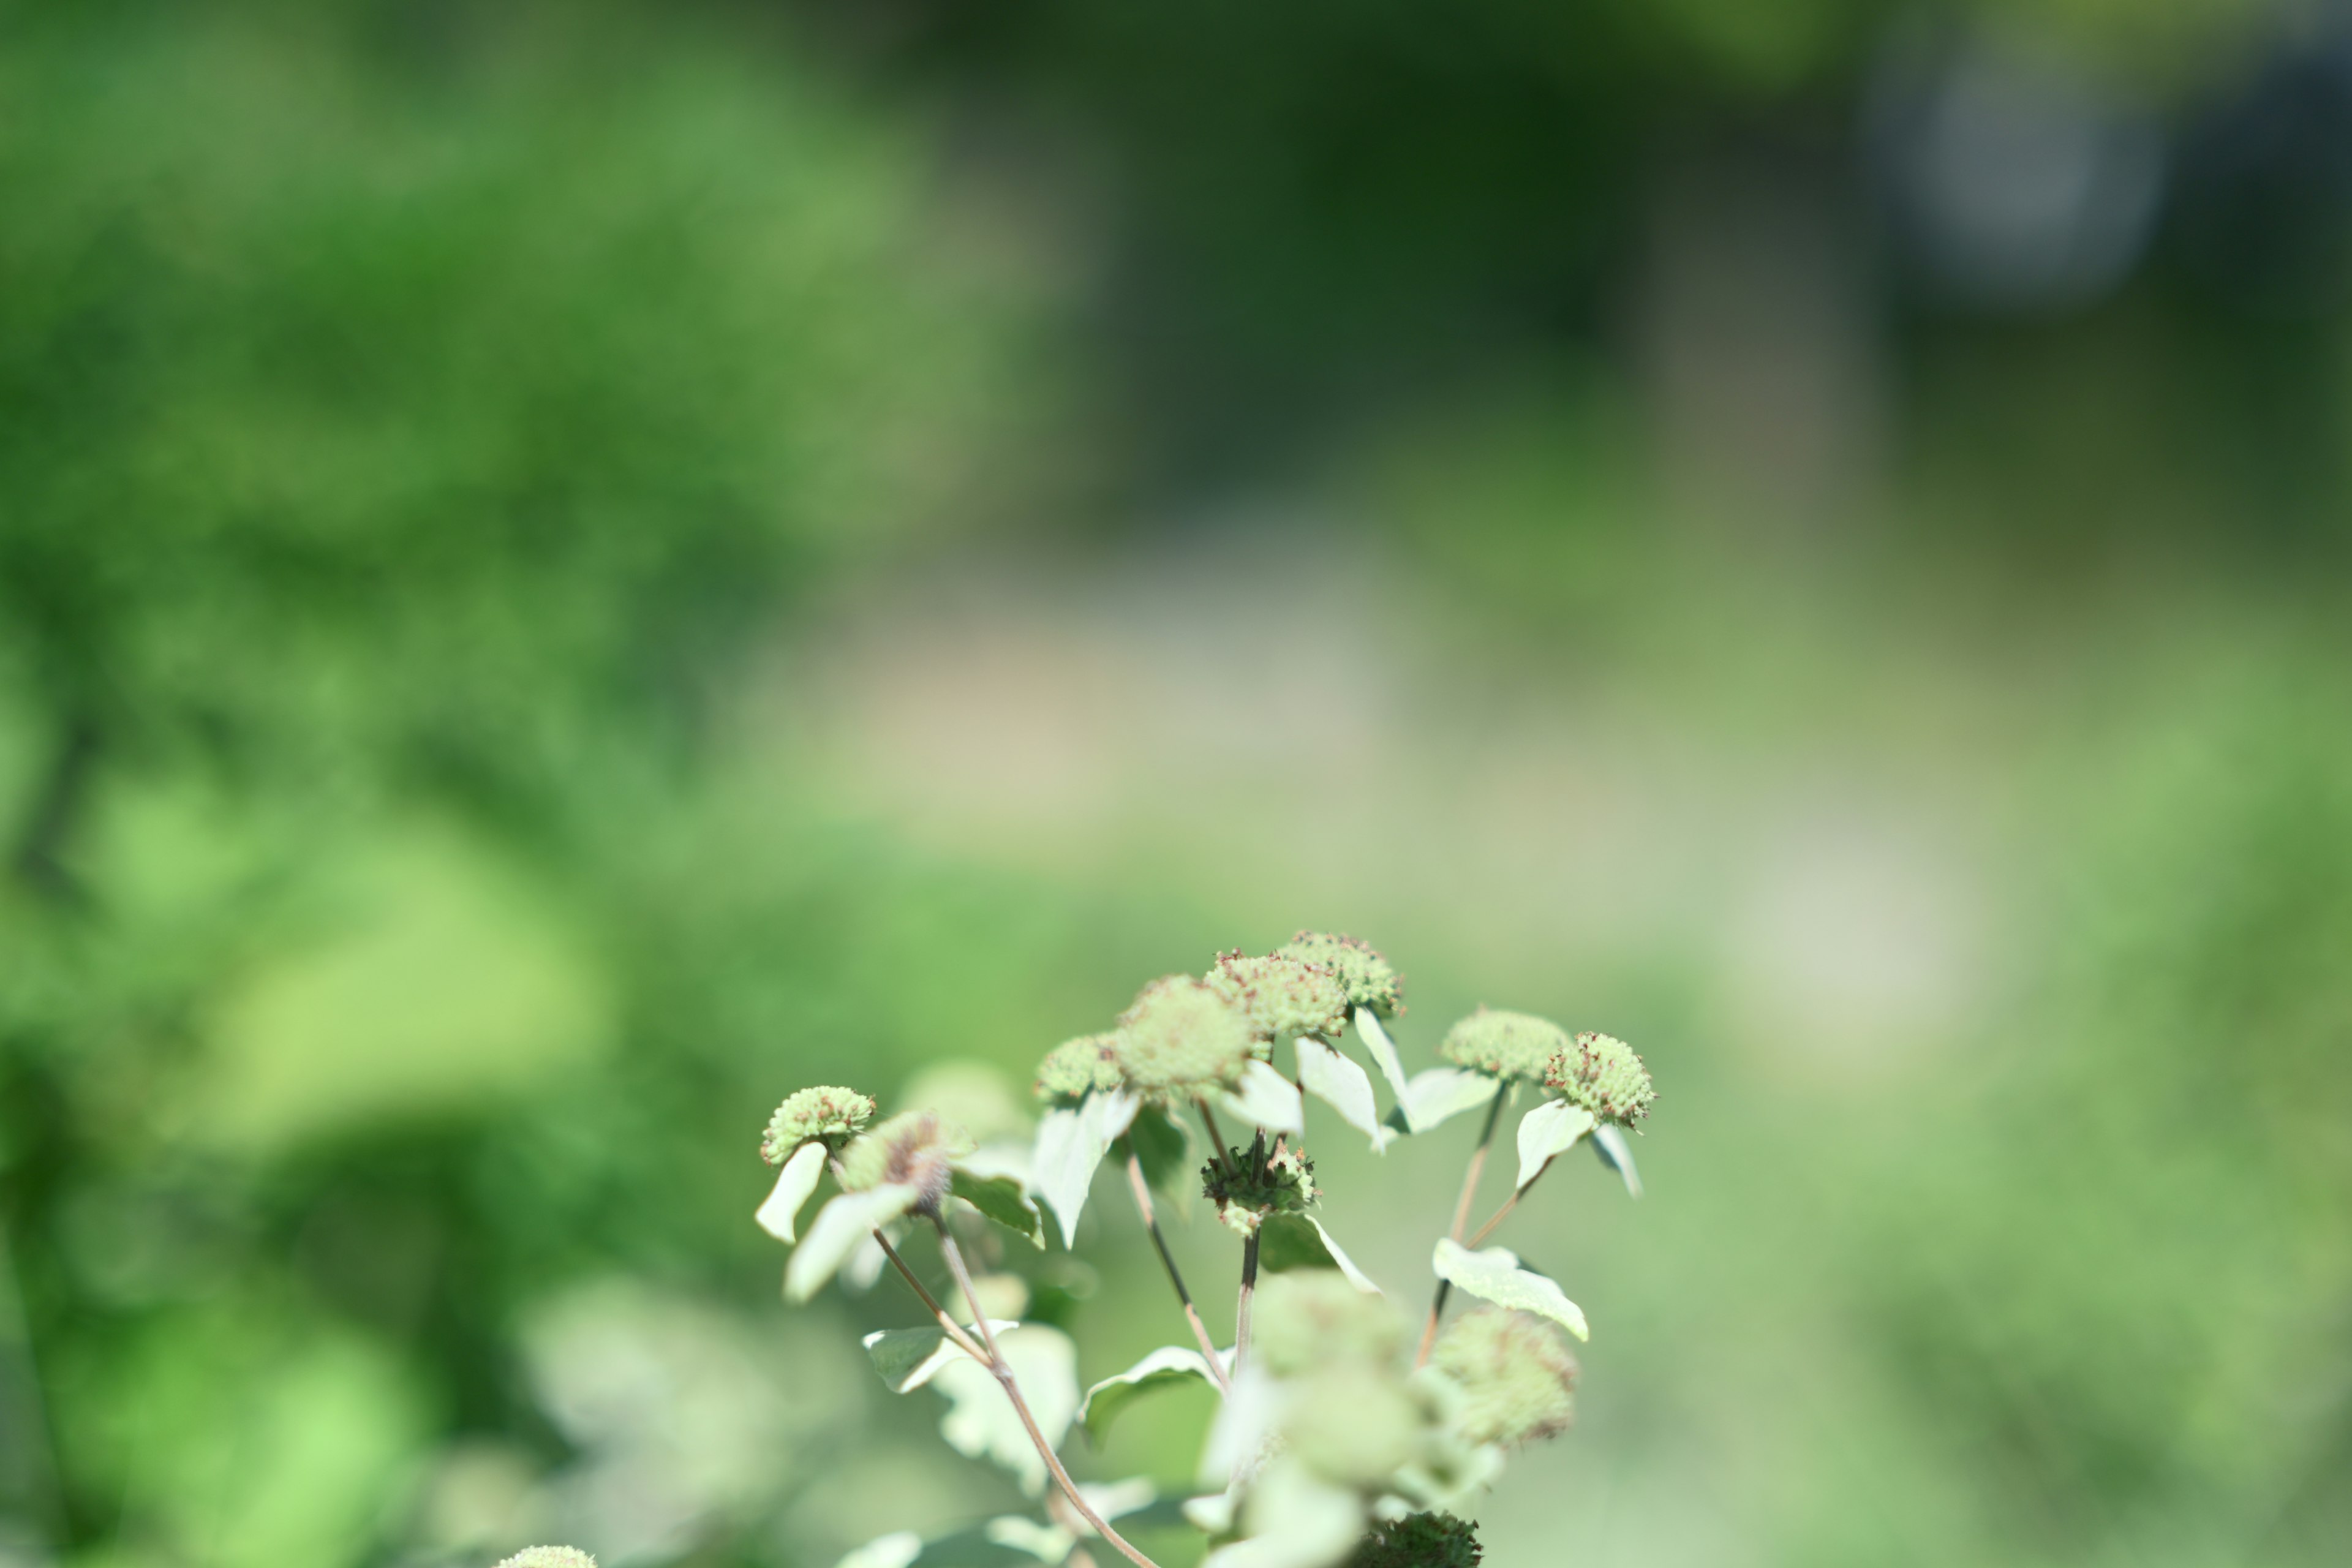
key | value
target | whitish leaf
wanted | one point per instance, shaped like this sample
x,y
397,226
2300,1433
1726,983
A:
x,y
868,1260
1046,1542
1384,1052
980,1422
1167,1367
1293,1519
899,1548
1548,1131
781,1213
1496,1275
840,1225
906,1359
1616,1152
1287,1241
1002,1200
1267,1099
1339,1083
1070,1145
1438,1095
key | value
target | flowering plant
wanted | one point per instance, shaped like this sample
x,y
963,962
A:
x,y
1342,1440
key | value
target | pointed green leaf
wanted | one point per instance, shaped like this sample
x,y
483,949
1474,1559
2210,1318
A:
x,y
1344,1086
906,1359
1384,1053
1287,1241
1267,1099
781,1213
1438,1095
1616,1152
1164,1145
1002,1200
1070,1145
1167,1367
840,1225
1497,1275
1548,1131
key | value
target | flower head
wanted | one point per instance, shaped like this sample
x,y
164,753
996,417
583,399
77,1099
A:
x,y
1604,1076
829,1112
1420,1540
1517,1380
1075,1068
549,1557
1180,1039
1255,1184
1310,1318
1369,980
1504,1044
1280,996
914,1149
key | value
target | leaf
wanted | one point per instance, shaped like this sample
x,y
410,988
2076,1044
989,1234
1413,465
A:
x,y
781,1213
1070,1146
1616,1152
1339,1083
1384,1053
840,1225
906,1359
1497,1275
1267,1099
1287,1241
1293,1518
1166,1367
900,1549
1548,1131
982,1423
1002,1200
1438,1095
1164,1145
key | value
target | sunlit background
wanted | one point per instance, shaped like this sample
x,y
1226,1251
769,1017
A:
x,y
566,571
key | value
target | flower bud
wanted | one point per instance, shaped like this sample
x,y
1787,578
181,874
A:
x,y
1254,1185
1370,980
1309,1318
1517,1379
1420,1540
830,1113
1604,1076
1280,996
1180,1039
549,1557
1504,1044
1075,1068
913,1148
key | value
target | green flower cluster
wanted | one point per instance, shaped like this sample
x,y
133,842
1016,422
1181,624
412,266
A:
x,y
1504,1044
549,1557
1280,996
829,1114
1604,1076
1349,1415
1369,980
1516,1380
1257,1183
1180,1039
1075,1068
913,1148
1420,1540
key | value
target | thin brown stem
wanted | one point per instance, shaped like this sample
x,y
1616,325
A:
x,y
1241,1306
1216,1133
964,1342
1500,1214
1142,1190
1005,1380
1461,1219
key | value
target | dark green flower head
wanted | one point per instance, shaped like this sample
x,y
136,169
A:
x,y
1180,1039
549,1557
1369,980
1517,1380
1604,1076
1281,996
829,1114
1419,1540
914,1149
1255,1184
1075,1068
1504,1044
1310,1318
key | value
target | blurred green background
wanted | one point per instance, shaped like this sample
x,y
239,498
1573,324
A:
x,y
565,571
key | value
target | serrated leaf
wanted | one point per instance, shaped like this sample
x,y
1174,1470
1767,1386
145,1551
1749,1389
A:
x,y
1616,1152
1339,1083
781,1213
1497,1275
1287,1241
1384,1052
1169,1366
840,1225
1438,1095
1002,1200
1267,1099
981,1422
906,1359
1547,1132
1070,1147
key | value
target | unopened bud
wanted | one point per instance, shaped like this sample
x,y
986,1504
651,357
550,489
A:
x,y
1370,981
1504,1044
1604,1076
830,1113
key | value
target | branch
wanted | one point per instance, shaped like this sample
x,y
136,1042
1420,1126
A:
x,y
1142,1190
1461,1219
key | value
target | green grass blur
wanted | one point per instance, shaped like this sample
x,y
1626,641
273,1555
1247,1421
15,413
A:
x,y
568,570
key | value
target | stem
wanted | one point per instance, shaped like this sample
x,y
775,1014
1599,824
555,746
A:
x,y
1241,1306
997,1365
1216,1133
964,1342
1461,1219
1510,1204
1142,1190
